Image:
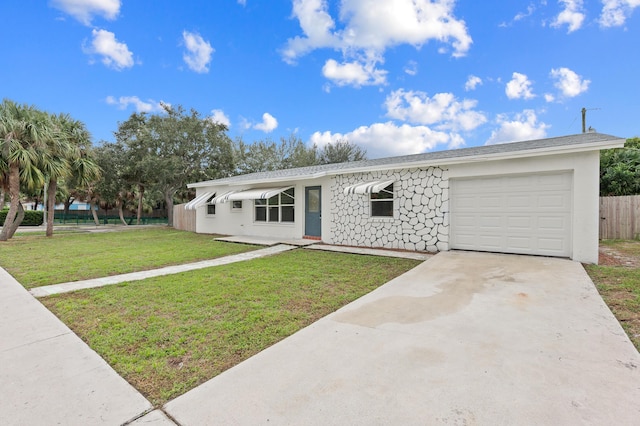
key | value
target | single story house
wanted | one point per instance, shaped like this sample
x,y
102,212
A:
x,y
537,197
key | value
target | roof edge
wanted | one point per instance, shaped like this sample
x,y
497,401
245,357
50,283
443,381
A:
x,y
607,143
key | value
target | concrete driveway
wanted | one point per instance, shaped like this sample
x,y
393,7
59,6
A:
x,y
463,339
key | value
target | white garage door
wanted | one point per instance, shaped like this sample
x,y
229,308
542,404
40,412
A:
x,y
525,214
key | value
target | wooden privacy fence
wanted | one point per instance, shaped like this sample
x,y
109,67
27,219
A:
x,y
620,217
183,219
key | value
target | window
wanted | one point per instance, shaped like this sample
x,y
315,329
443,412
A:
x,y
236,205
382,203
277,209
211,208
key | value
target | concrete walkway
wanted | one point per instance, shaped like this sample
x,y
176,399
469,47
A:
x,y
168,270
49,376
462,339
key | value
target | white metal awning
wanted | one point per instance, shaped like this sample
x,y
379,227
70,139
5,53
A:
x,y
368,187
222,198
257,193
200,200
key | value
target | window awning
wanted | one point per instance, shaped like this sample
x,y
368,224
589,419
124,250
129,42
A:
x,y
368,187
200,200
257,193
222,198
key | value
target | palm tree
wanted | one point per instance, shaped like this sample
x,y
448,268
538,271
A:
x,y
22,140
68,155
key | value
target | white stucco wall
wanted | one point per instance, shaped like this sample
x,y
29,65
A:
x,y
585,208
228,221
421,206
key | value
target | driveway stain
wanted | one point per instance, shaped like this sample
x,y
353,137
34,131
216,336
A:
x,y
455,295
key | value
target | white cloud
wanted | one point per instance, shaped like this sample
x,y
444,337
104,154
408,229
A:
x,y
523,126
572,15
370,27
472,82
114,54
242,2
388,139
198,54
218,116
85,10
519,87
442,110
353,73
269,123
123,102
615,12
568,82
549,97
411,68
519,16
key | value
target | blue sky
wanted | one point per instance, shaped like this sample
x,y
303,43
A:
x,y
393,76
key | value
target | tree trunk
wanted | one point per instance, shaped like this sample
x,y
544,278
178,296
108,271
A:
x,y
140,195
168,199
17,222
14,195
2,197
120,205
94,213
67,205
51,205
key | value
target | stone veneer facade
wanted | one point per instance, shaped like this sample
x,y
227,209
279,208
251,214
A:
x,y
420,219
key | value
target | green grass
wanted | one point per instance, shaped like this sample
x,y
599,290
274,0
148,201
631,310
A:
x,y
35,260
619,286
168,334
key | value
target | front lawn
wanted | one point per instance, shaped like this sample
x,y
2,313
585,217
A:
x,y
618,281
35,260
169,334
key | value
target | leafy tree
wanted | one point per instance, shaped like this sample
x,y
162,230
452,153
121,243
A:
x,y
166,151
140,169
113,190
342,151
298,154
267,155
620,169
259,156
190,148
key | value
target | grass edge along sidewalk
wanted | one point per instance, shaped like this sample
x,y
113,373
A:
x,y
168,334
35,260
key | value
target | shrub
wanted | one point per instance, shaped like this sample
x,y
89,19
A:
x,y
31,218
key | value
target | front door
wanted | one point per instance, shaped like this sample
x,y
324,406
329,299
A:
x,y
312,211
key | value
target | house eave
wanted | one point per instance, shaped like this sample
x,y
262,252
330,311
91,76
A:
x,y
614,142
619,143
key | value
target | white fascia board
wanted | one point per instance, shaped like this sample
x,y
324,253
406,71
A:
x,y
562,149
279,179
597,146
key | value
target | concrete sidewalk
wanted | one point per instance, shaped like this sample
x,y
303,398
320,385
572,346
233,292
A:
x,y
463,338
167,270
49,376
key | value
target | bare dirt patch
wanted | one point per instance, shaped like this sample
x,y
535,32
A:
x,y
614,256
617,278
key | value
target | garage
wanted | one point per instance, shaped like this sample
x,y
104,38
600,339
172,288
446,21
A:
x,y
519,213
